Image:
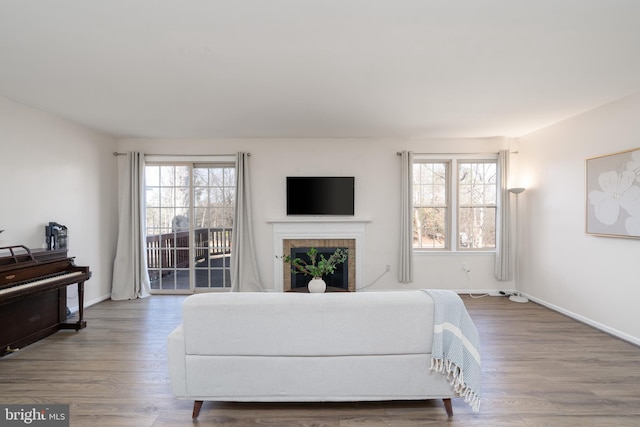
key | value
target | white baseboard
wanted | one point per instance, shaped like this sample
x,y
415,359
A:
x,y
599,326
74,308
97,300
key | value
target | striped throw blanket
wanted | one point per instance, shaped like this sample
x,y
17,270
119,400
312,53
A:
x,y
455,352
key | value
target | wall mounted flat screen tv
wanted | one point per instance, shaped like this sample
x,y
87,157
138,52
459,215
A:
x,y
320,195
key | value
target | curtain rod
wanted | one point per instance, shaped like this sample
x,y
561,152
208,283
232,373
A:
x,y
399,153
115,153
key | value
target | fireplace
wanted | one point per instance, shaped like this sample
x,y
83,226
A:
x,y
339,278
343,277
318,233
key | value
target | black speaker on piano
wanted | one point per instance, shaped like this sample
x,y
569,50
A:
x,y
57,236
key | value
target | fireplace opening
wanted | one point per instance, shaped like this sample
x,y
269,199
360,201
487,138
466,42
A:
x,y
339,278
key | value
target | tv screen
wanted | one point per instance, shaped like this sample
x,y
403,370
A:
x,y
320,195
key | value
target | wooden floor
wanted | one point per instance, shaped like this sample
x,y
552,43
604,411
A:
x,y
539,369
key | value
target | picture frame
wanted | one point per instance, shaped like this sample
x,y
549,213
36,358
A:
x,y
613,194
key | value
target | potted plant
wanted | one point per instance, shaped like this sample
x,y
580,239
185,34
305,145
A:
x,y
316,267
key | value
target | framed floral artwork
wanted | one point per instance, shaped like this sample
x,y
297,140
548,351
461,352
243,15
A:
x,y
613,194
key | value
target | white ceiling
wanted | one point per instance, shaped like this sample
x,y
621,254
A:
x,y
318,68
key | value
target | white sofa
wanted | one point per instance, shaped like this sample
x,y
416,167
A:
x,y
298,347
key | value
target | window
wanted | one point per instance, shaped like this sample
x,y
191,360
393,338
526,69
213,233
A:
x,y
189,218
431,211
477,204
454,197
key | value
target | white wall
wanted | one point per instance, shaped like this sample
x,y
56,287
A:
x,y
592,278
376,168
54,170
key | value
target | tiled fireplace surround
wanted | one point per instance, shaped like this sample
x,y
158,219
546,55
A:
x,y
318,232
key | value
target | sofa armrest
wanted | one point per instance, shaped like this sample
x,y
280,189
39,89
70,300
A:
x,y
177,362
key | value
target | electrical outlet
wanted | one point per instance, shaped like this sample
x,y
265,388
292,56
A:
x,y
465,268
387,268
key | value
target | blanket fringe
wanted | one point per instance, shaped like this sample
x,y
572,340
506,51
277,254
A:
x,y
455,376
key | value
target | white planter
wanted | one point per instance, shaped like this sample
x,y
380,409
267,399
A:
x,y
317,285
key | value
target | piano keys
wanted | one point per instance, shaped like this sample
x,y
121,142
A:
x,y
33,295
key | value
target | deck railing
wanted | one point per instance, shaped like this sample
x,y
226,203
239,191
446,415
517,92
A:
x,y
171,250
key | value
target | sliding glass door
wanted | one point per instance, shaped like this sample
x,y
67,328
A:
x,y
189,214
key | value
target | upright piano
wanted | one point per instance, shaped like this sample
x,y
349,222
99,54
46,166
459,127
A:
x,y
33,295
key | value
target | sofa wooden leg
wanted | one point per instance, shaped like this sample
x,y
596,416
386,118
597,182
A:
x,y
448,407
196,408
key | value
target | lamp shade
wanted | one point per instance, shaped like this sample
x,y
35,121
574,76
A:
x,y
517,190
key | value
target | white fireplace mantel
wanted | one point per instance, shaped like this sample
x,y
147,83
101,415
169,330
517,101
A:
x,y
317,228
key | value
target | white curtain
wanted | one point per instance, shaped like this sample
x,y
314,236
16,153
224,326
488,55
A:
x,y
503,269
405,274
244,269
130,276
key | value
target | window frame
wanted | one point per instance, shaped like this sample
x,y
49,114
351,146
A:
x,y
452,241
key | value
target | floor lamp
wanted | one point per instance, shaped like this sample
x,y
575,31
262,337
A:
x,y
517,297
